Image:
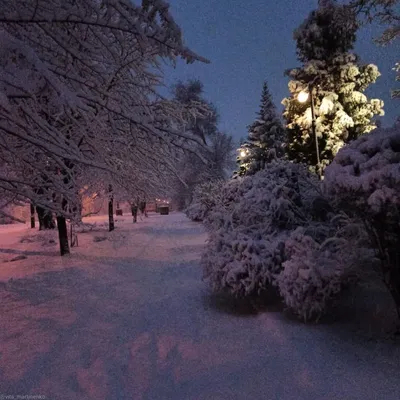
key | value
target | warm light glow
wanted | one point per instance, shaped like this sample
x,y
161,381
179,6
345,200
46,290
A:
x,y
242,153
302,96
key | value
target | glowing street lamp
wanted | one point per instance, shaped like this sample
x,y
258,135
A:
x,y
302,97
242,153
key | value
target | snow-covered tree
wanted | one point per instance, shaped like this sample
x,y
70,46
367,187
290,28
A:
x,y
217,163
364,179
396,92
265,137
385,12
78,95
220,155
204,123
205,196
337,81
328,32
217,147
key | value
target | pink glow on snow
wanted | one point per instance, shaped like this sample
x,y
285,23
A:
x,y
125,318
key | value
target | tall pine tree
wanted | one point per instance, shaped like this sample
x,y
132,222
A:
x,y
265,137
337,80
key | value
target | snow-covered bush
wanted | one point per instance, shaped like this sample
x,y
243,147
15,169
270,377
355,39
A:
x,y
276,229
248,228
205,197
236,262
314,273
364,179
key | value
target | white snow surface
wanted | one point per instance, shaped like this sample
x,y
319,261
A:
x,y
129,318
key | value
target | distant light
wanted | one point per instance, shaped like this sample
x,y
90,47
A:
x,y
302,97
242,153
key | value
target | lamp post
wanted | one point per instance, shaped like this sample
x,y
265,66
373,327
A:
x,y
243,152
302,98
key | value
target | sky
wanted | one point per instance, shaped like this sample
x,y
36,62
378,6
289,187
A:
x,y
250,41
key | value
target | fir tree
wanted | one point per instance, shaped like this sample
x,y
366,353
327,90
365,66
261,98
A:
x,y
265,138
337,80
266,132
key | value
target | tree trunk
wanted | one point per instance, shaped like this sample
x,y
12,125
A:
x,y
77,210
391,275
394,288
387,243
63,235
45,217
110,210
48,220
40,213
32,216
134,212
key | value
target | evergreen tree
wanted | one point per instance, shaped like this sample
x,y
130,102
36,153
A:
x,y
265,133
337,80
326,33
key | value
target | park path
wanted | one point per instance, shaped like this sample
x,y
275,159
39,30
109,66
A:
x,y
128,317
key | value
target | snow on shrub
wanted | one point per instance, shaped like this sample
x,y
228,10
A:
x,y
275,228
364,179
243,265
84,227
314,273
250,224
45,238
366,173
205,196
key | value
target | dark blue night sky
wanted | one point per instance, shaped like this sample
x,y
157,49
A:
x,y
251,41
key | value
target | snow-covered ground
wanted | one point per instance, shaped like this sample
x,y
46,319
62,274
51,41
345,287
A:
x,y
128,317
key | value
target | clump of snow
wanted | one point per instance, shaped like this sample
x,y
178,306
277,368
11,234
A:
x,y
328,104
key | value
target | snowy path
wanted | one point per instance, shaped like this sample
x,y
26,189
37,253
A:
x,y
129,318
